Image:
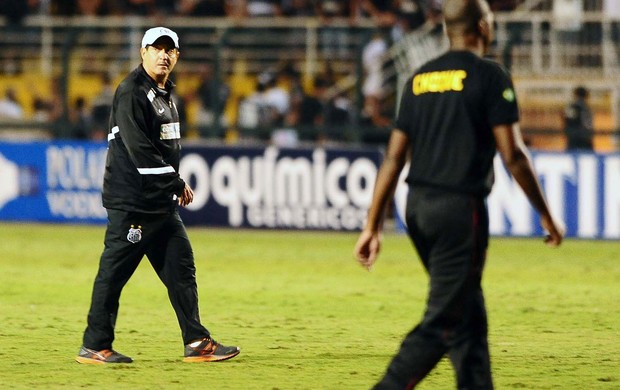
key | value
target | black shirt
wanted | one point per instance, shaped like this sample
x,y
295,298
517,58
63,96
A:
x,y
142,165
448,109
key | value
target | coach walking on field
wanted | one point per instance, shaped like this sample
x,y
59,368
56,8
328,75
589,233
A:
x,y
141,190
455,112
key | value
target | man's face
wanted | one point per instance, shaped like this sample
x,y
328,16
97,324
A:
x,y
159,58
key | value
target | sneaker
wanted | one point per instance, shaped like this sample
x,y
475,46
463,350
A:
x,y
208,350
89,356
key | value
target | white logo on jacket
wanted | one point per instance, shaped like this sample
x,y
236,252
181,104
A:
x,y
170,131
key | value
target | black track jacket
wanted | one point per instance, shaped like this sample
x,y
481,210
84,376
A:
x,y
142,165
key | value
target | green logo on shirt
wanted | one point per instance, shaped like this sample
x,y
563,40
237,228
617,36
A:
x,y
509,95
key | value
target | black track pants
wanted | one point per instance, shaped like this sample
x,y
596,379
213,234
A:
x,y
450,233
164,241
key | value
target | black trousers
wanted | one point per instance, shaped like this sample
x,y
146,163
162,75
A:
x,y
450,233
165,243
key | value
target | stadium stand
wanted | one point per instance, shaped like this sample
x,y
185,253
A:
x,y
61,58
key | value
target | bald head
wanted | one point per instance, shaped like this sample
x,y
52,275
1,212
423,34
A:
x,y
468,20
462,16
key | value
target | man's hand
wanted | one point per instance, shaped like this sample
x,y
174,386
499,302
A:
x,y
556,230
187,196
367,248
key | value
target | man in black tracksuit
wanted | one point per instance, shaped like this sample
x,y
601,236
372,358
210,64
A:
x,y
141,190
455,112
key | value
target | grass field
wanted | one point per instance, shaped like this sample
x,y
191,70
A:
x,y
305,315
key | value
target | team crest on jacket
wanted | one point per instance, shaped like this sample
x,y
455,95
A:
x,y
135,234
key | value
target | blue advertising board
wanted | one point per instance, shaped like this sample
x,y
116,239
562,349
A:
x,y
320,188
582,189
52,182
233,186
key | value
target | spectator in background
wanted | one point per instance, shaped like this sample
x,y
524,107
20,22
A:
x,y
259,8
265,109
141,7
80,120
373,58
276,97
334,40
212,95
101,107
41,110
306,107
253,113
320,114
15,11
306,114
578,126
337,111
329,74
164,8
398,16
80,7
380,11
297,93
60,110
10,108
179,101
208,8
138,7
504,5
434,15
92,7
409,16
294,8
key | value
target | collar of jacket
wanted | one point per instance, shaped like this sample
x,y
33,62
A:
x,y
169,86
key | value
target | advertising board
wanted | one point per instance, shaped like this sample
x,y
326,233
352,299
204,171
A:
x,y
297,188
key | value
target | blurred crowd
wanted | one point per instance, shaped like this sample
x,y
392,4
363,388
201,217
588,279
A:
x,y
79,119
380,9
283,105
280,107
282,99
383,12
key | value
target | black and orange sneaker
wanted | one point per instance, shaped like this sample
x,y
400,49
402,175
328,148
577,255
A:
x,y
89,356
208,350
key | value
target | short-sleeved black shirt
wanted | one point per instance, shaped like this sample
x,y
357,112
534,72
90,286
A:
x,y
448,109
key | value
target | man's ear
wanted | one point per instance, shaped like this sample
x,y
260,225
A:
x,y
486,31
483,28
142,52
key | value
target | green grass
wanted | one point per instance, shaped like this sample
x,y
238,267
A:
x,y
305,315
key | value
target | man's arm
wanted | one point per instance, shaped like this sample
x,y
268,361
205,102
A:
x,y
369,243
515,155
